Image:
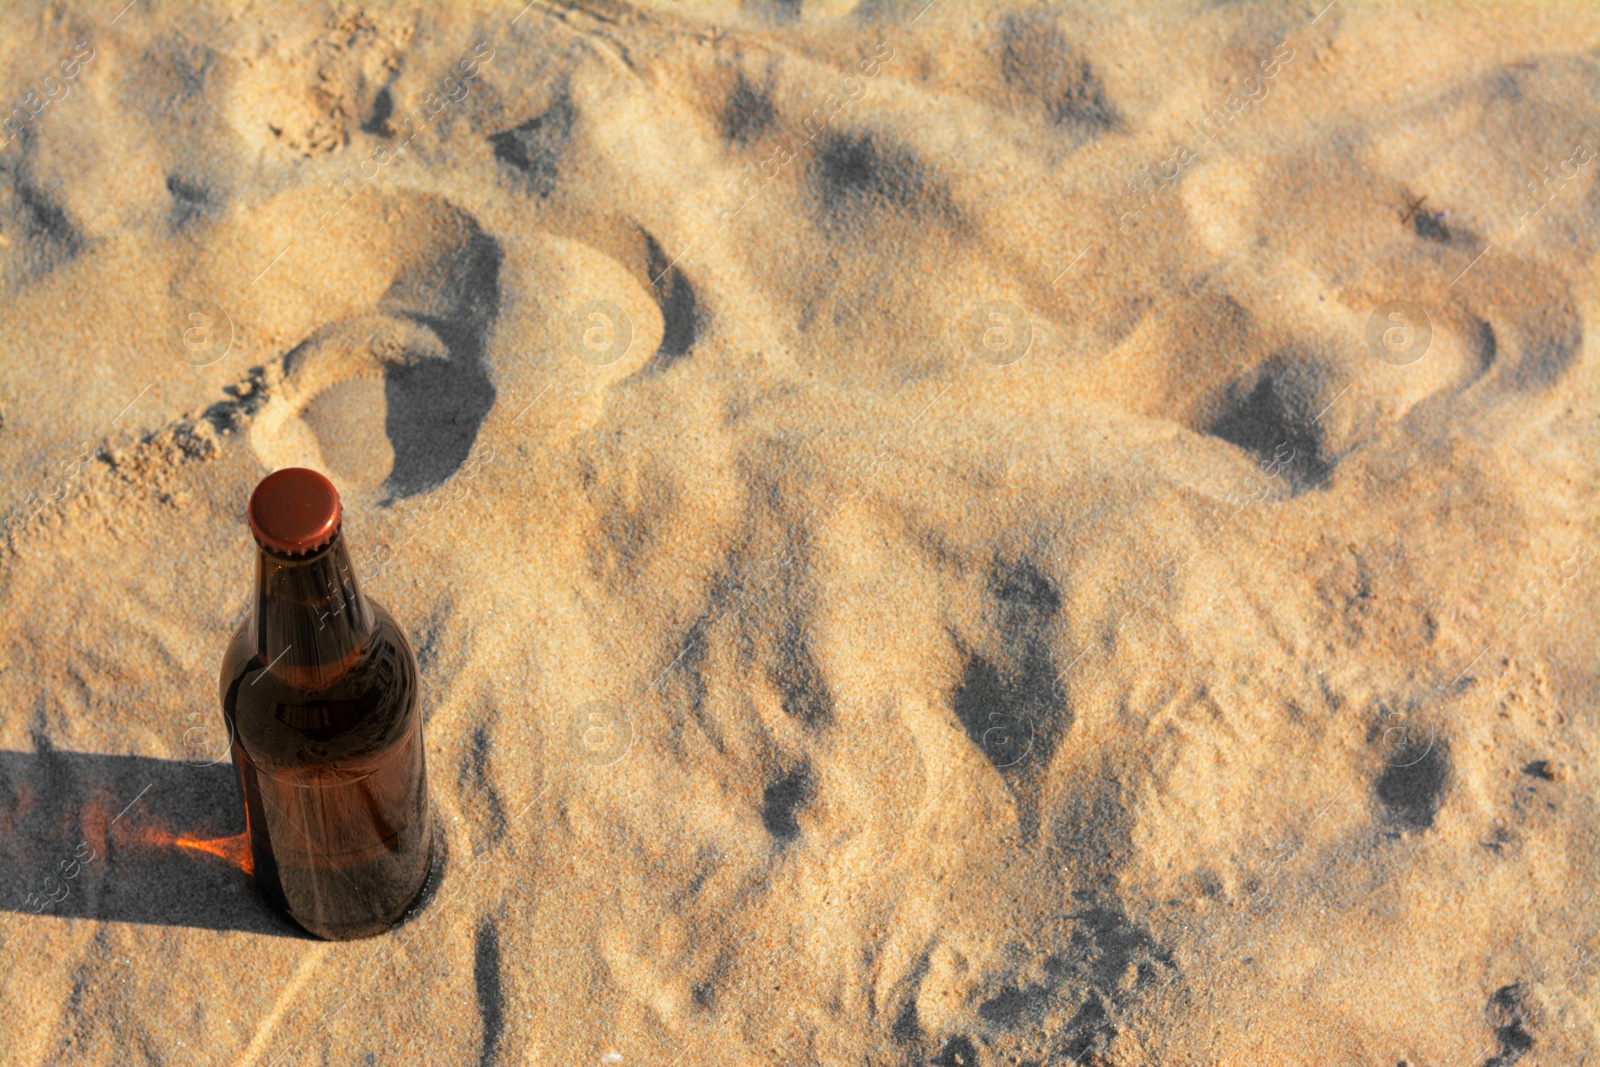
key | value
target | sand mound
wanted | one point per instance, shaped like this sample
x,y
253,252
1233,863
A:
x,y
956,535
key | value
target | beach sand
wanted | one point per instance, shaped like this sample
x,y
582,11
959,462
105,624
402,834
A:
x,y
964,534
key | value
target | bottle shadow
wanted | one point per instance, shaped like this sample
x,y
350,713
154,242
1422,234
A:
x,y
128,839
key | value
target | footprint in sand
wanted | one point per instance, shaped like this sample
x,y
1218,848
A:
x,y
391,400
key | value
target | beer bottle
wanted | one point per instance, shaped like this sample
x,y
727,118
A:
x,y
319,691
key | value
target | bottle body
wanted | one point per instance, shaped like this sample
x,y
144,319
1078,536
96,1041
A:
x,y
320,693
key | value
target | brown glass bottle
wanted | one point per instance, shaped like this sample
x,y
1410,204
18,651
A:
x,y
319,690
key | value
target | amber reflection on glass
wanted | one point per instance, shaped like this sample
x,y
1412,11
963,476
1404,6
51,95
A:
x,y
319,689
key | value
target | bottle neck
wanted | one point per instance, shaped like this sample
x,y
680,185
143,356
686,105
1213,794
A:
x,y
311,621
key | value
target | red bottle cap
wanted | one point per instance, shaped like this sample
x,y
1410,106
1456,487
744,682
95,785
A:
x,y
294,511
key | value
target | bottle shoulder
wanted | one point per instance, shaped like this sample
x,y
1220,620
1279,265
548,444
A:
x,y
236,658
368,709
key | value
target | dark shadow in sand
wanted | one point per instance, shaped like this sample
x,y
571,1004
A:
x,y
435,406
126,839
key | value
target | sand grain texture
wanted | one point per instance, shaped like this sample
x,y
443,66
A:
x,y
980,592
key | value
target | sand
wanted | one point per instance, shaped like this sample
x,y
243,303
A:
x,y
959,535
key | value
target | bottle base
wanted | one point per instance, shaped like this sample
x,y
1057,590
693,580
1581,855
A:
x,y
365,928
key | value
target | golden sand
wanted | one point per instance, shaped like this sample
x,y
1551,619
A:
x,y
966,535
